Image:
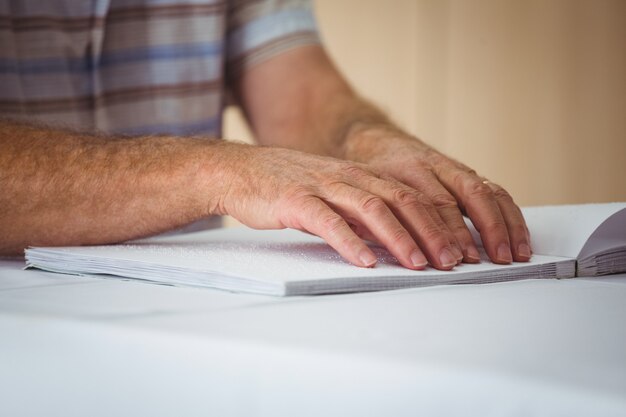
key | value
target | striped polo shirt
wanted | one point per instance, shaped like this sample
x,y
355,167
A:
x,y
138,66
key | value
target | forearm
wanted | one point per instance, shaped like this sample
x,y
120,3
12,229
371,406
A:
x,y
65,188
300,101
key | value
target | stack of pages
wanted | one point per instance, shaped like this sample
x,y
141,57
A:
x,y
591,238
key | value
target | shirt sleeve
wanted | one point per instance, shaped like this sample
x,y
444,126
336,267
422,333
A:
x,y
260,29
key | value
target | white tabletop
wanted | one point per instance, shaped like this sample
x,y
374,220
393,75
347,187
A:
x,y
73,346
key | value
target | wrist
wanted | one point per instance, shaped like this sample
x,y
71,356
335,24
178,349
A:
x,y
222,169
365,141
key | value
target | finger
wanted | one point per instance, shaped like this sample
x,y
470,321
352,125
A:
x,y
432,211
363,208
363,232
413,210
454,244
449,211
481,206
314,216
515,224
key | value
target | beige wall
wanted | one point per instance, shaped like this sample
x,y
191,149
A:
x,y
530,93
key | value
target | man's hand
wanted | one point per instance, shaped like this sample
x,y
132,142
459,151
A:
x,y
299,100
66,188
452,188
340,201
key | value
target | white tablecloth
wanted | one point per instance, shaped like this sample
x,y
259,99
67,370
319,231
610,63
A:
x,y
73,346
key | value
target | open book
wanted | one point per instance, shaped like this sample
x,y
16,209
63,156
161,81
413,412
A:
x,y
590,239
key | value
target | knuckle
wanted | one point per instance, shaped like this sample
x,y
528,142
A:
x,y
434,157
297,194
480,190
465,182
457,178
353,171
331,223
409,198
501,194
303,198
300,209
398,236
295,204
426,203
459,229
431,233
388,177
424,200
372,204
496,227
443,200
518,230
404,197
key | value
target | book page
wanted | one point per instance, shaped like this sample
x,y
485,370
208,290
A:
x,y
610,235
564,230
272,256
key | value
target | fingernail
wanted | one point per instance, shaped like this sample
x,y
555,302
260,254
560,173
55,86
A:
x,y
457,253
473,254
418,260
523,250
367,258
504,253
447,258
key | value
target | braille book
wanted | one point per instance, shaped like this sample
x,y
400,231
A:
x,y
584,240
